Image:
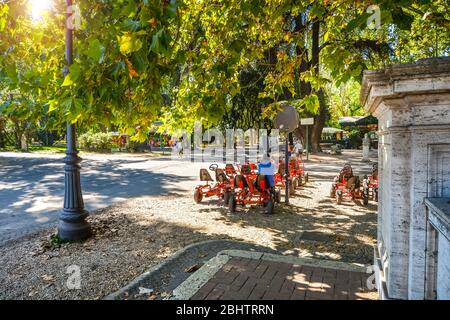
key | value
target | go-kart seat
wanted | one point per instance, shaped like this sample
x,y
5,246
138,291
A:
x,y
205,176
294,163
229,169
346,172
375,171
262,183
245,169
353,183
240,182
221,176
281,168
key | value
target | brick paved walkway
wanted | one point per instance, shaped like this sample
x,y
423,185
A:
x,y
256,279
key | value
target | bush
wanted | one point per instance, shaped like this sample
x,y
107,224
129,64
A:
x,y
355,139
99,142
132,146
47,138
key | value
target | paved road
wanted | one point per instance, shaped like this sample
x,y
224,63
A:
x,y
32,185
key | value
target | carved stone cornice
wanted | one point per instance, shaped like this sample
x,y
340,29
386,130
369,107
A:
x,y
398,81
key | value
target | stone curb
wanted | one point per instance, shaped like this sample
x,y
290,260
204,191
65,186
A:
x,y
197,280
329,264
192,284
143,276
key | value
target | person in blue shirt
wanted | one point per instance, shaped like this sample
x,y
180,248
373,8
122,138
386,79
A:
x,y
267,168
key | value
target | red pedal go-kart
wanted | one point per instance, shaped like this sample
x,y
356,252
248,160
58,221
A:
x,y
280,180
219,188
371,188
349,186
248,169
251,189
230,171
297,172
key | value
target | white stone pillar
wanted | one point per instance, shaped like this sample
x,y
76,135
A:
x,y
24,143
366,148
412,104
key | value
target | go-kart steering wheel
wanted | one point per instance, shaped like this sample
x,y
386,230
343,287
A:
x,y
213,167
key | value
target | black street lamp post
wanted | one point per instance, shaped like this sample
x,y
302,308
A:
x,y
286,170
286,121
72,220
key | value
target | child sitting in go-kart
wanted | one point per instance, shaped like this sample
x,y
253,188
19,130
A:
x,y
346,175
267,168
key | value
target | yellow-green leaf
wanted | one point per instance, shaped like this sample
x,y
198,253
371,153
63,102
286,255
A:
x,y
67,81
129,44
52,105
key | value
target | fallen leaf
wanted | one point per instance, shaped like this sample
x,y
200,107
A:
x,y
47,277
193,268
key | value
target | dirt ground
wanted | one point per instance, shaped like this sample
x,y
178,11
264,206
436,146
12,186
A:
x,y
132,236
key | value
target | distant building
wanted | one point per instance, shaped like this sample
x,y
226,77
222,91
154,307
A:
x,y
363,123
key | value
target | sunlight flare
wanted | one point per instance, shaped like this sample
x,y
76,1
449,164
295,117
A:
x,y
39,7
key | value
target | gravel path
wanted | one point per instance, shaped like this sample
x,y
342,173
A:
x,y
132,236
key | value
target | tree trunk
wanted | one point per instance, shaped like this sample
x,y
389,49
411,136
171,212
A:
x,y
303,88
2,133
18,132
321,117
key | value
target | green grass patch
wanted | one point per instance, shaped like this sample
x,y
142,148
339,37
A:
x,y
10,149
39,149
36,149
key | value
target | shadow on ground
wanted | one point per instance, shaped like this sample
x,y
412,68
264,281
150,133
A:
x,y
32,189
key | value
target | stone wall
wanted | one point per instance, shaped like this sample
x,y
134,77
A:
x,y
412,104
443,276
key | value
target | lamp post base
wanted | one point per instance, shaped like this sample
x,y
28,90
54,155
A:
x,y
73,226
72,220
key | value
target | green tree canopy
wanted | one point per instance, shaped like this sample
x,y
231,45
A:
x,y
186,60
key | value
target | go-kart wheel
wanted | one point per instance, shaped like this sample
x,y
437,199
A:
x,y
333,192
365,199
213,167
299,181
375,195
294,183
198,196
339,197
226,196
270,207
306,177
232,204
291,188
278,196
